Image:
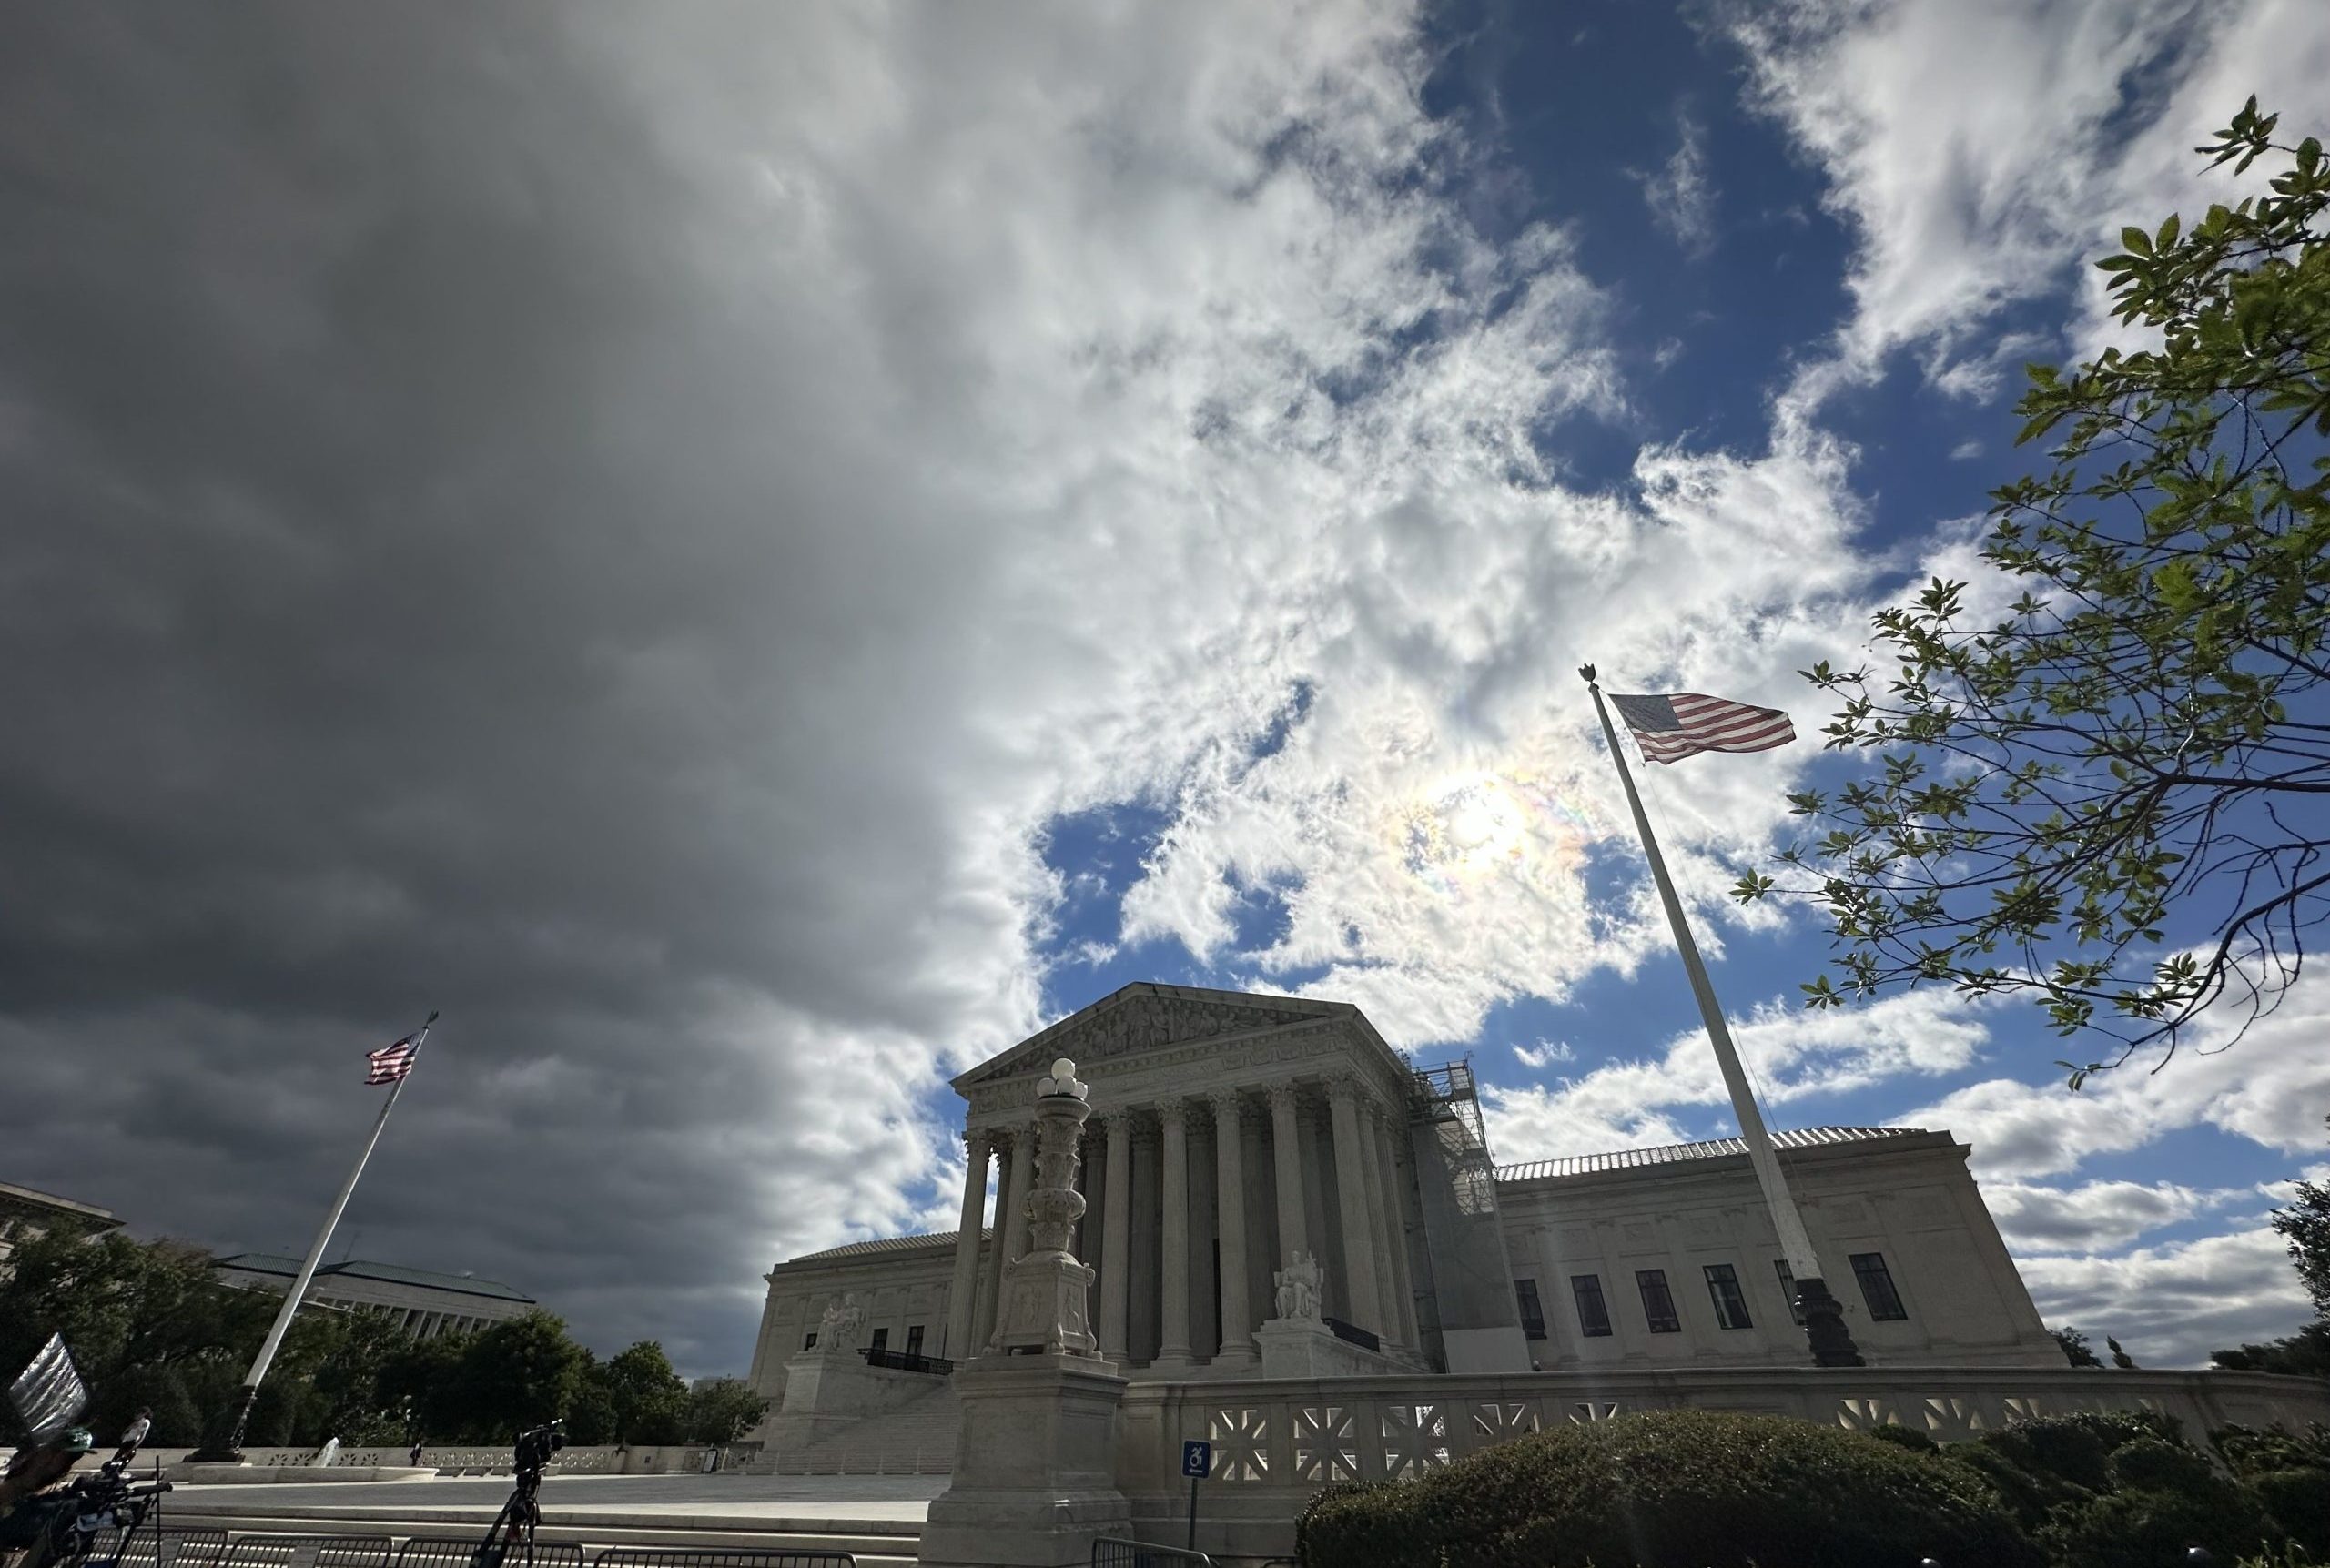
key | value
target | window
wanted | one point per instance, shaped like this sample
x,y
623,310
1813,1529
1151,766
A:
x,y
914,1339
881,1341
1593,1312
1731,1306
1787,1289
1532,1315
1876,1288
811,1342
1657,1301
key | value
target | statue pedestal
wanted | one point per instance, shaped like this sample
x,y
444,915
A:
x,y
1035,1470
1307,1348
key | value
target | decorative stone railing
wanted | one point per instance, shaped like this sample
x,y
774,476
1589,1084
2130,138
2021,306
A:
x,y
1276,1441
610,1460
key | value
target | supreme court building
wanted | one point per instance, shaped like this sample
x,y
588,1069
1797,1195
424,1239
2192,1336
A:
x,y
1231,1132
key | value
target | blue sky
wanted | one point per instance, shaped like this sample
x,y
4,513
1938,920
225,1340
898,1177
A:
x,y
758,559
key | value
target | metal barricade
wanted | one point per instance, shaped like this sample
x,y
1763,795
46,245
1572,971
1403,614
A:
x,y
716,1557
308,1552
462,1552
1110,1552
169,1546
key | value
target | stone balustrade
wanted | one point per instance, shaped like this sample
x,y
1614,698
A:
x,y
1275,1442
450,1460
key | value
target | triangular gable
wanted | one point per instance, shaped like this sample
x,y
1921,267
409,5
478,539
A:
x,y
1143,1016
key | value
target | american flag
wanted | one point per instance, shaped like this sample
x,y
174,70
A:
x,y
1682,723
390,1063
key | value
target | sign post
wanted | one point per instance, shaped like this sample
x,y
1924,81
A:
x,y
1197,1463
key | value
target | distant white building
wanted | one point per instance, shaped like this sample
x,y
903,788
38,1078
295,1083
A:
x,y
422,1303
26,1212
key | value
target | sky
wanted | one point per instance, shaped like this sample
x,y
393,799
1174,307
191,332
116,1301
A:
x,y
754,555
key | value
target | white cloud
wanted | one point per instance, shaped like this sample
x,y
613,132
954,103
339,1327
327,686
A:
x,y
2172,1306
1680,195
2270,1089
2095,1216
1545,1053
1982,150
1793,1054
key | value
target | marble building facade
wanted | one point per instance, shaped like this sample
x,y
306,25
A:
x,y
1230,1131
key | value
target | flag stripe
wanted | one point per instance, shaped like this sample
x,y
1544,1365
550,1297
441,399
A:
x,y
390,1064
1700,723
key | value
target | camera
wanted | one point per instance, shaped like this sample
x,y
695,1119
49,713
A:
x,y
536,1446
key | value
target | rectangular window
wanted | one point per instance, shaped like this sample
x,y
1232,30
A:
x,y
1532,1315
811,1342
881,1339
1731,1306
914,1339
1593,1312
1876,1288
1657,1301
1787,1289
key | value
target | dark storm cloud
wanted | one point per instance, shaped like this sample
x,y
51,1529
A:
x,y
422,568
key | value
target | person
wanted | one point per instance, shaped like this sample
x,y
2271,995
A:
x,y
42,1466
414,1457
133,1436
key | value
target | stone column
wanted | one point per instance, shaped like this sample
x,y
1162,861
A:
x,y
1358,1224
962,1295
1115,1237
1004,1140
1379,1195
1395,1217
1229,1199
1011,1224
1286,1154
1173,1333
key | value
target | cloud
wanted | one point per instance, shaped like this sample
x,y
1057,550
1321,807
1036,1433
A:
x,y
2095,1216
1980,151
2172,1306
1545,1053
1680,195
2270,1089
1794,1054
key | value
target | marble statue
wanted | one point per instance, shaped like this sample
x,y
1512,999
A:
x,y
844,1321
1299,1285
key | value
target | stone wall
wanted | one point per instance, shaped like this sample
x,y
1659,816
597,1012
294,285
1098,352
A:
x,y
1276,1442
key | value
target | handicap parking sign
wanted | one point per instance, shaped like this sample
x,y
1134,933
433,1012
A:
x,y
1197,1460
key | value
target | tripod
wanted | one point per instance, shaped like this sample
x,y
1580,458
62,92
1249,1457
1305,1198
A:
x,y
511,1537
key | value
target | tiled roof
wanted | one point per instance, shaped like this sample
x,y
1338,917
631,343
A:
x,y
391,1273
1713,1148
934,1242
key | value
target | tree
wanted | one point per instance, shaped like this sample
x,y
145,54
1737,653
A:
x,y
2076,1350
147,1323
2304,1224
723,1411
651,1402
2141,733
2120,1358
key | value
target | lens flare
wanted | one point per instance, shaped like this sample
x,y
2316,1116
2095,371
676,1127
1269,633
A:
x,y
1480,825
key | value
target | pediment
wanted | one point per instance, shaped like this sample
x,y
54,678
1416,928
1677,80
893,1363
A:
x,y
1145,1017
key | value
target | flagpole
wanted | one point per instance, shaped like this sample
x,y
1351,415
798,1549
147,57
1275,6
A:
x,y
1823,1326
228,1451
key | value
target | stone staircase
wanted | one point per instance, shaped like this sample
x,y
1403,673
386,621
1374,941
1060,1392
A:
x,y
918,1438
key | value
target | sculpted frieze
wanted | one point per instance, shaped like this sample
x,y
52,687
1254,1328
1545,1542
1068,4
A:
x,y
1136,1024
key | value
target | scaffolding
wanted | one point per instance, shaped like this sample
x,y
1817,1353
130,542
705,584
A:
x,y
1468,1284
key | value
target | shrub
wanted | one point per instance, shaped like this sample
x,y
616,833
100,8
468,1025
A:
x,y
1909,1437
2139,1528
2249,1452
2299,1500
1671,1489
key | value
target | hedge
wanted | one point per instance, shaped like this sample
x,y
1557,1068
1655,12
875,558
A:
x,y
1672,1488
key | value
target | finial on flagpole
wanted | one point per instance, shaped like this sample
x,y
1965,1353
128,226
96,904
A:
x,y
1585,673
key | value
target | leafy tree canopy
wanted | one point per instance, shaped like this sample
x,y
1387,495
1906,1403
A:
x,y
2143,733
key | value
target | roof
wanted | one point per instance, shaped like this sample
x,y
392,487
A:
x,y
933,1240
1713,1148
88,1214
1262,1012
387,1273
